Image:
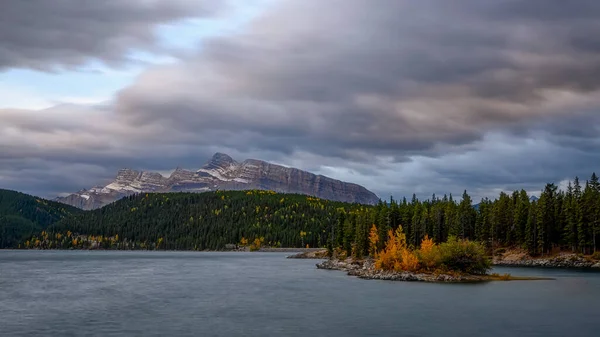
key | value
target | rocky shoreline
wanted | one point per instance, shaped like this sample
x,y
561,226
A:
x,y
312,254
364,269
563,260
509,259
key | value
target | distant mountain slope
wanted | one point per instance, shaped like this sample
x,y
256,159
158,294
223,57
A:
x,y
199,221
222,173
22,214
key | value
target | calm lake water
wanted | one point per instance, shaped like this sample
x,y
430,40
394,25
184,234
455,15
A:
x,y
79,293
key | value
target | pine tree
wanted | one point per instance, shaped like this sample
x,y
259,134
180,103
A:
x,y
531,230
424,224
570,206
438,222
594,208
466,218
349,229
546,219
415,226
500,220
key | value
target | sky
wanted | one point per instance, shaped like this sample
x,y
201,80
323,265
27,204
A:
x,y
402,97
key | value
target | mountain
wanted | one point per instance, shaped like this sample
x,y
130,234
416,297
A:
x,y
221,172
22,214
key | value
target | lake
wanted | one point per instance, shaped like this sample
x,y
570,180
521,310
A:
x,y
108,293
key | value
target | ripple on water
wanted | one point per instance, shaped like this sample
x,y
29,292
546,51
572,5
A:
x,y
57,293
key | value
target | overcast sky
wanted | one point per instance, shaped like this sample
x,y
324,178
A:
x,y
429,96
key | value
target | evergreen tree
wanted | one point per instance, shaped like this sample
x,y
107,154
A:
x,y
546,218
571,206
466,219
531,235
521,214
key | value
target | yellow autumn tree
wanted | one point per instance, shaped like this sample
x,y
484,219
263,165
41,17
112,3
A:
x,y
373,240
408,261
388,256
302,236
428,254
400,238
396,255
256,244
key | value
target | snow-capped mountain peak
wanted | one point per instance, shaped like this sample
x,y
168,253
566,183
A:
x,y
223,173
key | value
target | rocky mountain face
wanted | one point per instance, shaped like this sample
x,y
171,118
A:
x,y
222,173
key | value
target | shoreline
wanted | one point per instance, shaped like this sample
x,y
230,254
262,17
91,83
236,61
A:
x,y
512,259
364,269
517,258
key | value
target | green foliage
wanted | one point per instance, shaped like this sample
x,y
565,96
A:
x,y
22,215
209,221
464,256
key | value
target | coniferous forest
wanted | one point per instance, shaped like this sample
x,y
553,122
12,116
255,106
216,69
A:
x,y
22,215
558,220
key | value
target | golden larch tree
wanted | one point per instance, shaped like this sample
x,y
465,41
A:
x,y
373,240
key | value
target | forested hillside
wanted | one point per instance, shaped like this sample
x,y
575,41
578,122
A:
x,y
567,220
22,215
199,221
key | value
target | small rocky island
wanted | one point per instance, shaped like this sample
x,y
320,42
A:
x,y
454,261
366,269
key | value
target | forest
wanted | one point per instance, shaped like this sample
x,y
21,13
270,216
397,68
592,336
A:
x,y
558,220
23,215
198,221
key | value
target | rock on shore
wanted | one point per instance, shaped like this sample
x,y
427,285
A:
x,y
314,254
563,260
366,270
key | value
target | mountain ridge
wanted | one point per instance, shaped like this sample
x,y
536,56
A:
x,y
222,172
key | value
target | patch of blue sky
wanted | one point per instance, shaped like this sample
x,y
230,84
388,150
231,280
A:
x,y
90,84
97,82
188,34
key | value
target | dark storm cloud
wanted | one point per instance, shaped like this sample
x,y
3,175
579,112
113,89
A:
x,y
47,35
50,178
402,96
397,78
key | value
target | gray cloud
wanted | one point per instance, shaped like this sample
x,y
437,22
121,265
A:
x,y
393,79
405,96
47,35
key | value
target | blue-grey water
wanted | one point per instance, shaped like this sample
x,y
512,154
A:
x,y
83,293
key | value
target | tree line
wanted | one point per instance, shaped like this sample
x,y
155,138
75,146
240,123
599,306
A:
x,y
558,220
